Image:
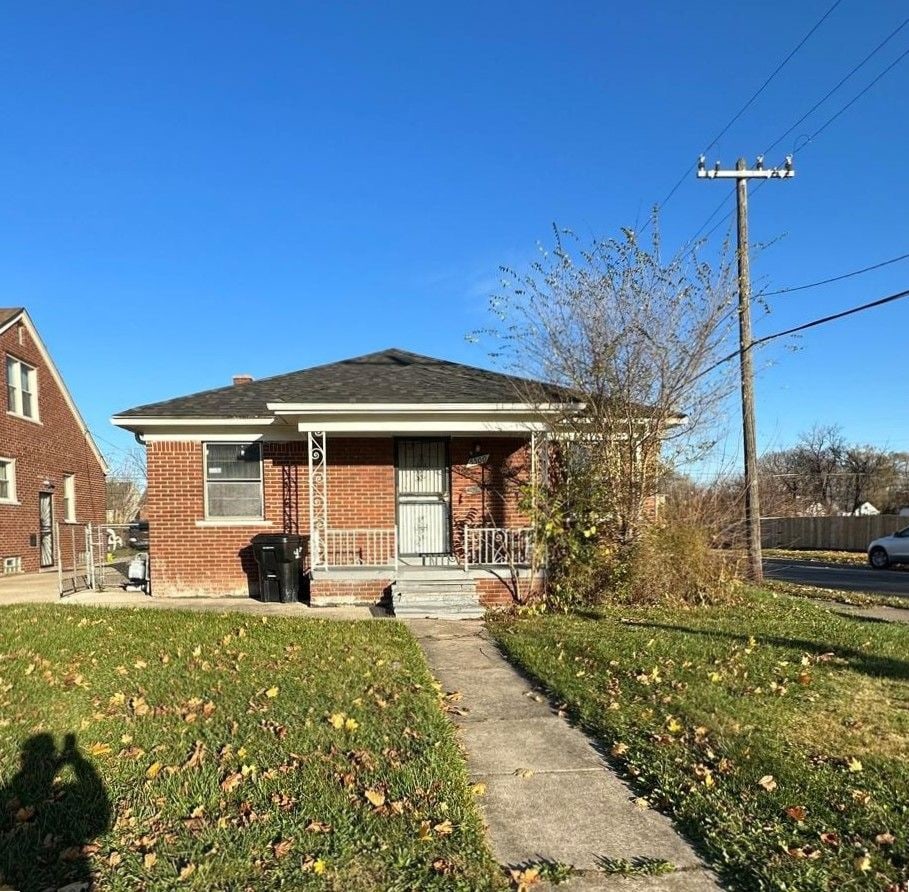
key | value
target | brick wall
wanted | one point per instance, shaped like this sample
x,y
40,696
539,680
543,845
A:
x,y
192,559
44,451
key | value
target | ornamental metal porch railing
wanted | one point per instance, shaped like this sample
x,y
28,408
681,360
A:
x,y
363,547
498,547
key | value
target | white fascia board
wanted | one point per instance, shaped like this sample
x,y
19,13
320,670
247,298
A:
x,y
414,408
26,320
426,425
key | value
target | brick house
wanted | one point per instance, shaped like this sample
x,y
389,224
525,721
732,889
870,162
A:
x,y
51,472
409,474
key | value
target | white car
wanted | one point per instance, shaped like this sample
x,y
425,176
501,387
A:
x,y
892,549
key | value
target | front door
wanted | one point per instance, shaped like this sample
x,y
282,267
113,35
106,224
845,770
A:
x,y
422,480
46,528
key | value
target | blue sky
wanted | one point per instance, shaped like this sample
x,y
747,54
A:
x,y
191,190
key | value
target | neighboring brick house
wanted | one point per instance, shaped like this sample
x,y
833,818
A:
x,y
51,472
409,473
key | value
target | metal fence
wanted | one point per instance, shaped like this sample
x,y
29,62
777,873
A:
x,y
92,556
828,533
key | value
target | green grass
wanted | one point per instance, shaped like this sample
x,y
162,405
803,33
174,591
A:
x,y
775,732
205,746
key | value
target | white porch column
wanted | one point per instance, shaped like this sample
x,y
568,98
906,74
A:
x,y
318,499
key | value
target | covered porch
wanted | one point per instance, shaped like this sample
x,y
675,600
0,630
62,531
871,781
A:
x,y
457,502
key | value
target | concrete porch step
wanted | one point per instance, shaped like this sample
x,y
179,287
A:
x,y
437,611
445,588
445,597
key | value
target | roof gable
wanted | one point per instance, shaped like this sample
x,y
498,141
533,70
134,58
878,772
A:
x,y
389,377
10,315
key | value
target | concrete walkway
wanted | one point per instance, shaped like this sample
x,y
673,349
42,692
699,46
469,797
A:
x,y
549,793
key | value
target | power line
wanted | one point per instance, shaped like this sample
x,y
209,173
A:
x,y
824,319
749,102
830,92
826,124
890,298
856,272
855,99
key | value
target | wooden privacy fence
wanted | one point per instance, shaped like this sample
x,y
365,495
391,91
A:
x,y
828,533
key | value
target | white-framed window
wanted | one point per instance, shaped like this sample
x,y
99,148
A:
x,y
12,565
69,498
21,388
233,481
7,480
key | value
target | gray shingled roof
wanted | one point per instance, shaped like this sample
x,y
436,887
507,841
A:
x,y
8,313
389,376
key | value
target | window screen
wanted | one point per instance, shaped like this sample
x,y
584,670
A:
x,y
233,479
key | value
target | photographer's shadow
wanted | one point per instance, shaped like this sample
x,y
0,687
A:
x,y
51,810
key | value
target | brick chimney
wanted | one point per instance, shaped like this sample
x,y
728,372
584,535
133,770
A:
x,y
242,379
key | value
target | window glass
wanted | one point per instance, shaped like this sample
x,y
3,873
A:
x,y
12,383
69,497
6,482
21,388
233,479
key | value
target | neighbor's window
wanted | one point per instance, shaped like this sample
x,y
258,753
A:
x,y
7,480
233,480
69,498
21,388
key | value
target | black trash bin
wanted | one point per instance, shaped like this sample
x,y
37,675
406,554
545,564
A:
x,y
278,556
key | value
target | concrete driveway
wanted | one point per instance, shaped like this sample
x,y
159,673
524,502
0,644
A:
x,y
838,576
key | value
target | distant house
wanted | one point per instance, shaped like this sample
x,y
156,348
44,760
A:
x,y
51,471
409,474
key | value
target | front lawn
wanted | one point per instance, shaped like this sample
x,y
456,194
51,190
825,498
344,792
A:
x,y
776,732
167,749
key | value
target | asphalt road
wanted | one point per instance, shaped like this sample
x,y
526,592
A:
x,y
839,576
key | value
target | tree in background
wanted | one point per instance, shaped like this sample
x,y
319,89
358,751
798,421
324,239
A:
x,y
823,474
126,487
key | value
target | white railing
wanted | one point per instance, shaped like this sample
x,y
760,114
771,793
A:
x,y
497,546
366,547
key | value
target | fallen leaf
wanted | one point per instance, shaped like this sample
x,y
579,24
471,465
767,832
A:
x,y
318,827
885,839
351,725
187,871
26,813
768,783
619,749
524,879
99,749
830,838
854,765
153,770
336,720
523,772
478,789
796,812
283,848
444,828
149,860
863,863
271,693
232,781
114,859
376,797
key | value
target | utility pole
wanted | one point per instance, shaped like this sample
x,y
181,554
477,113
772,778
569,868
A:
x,y
741,175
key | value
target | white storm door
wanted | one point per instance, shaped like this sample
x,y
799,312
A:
x,y
422,480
